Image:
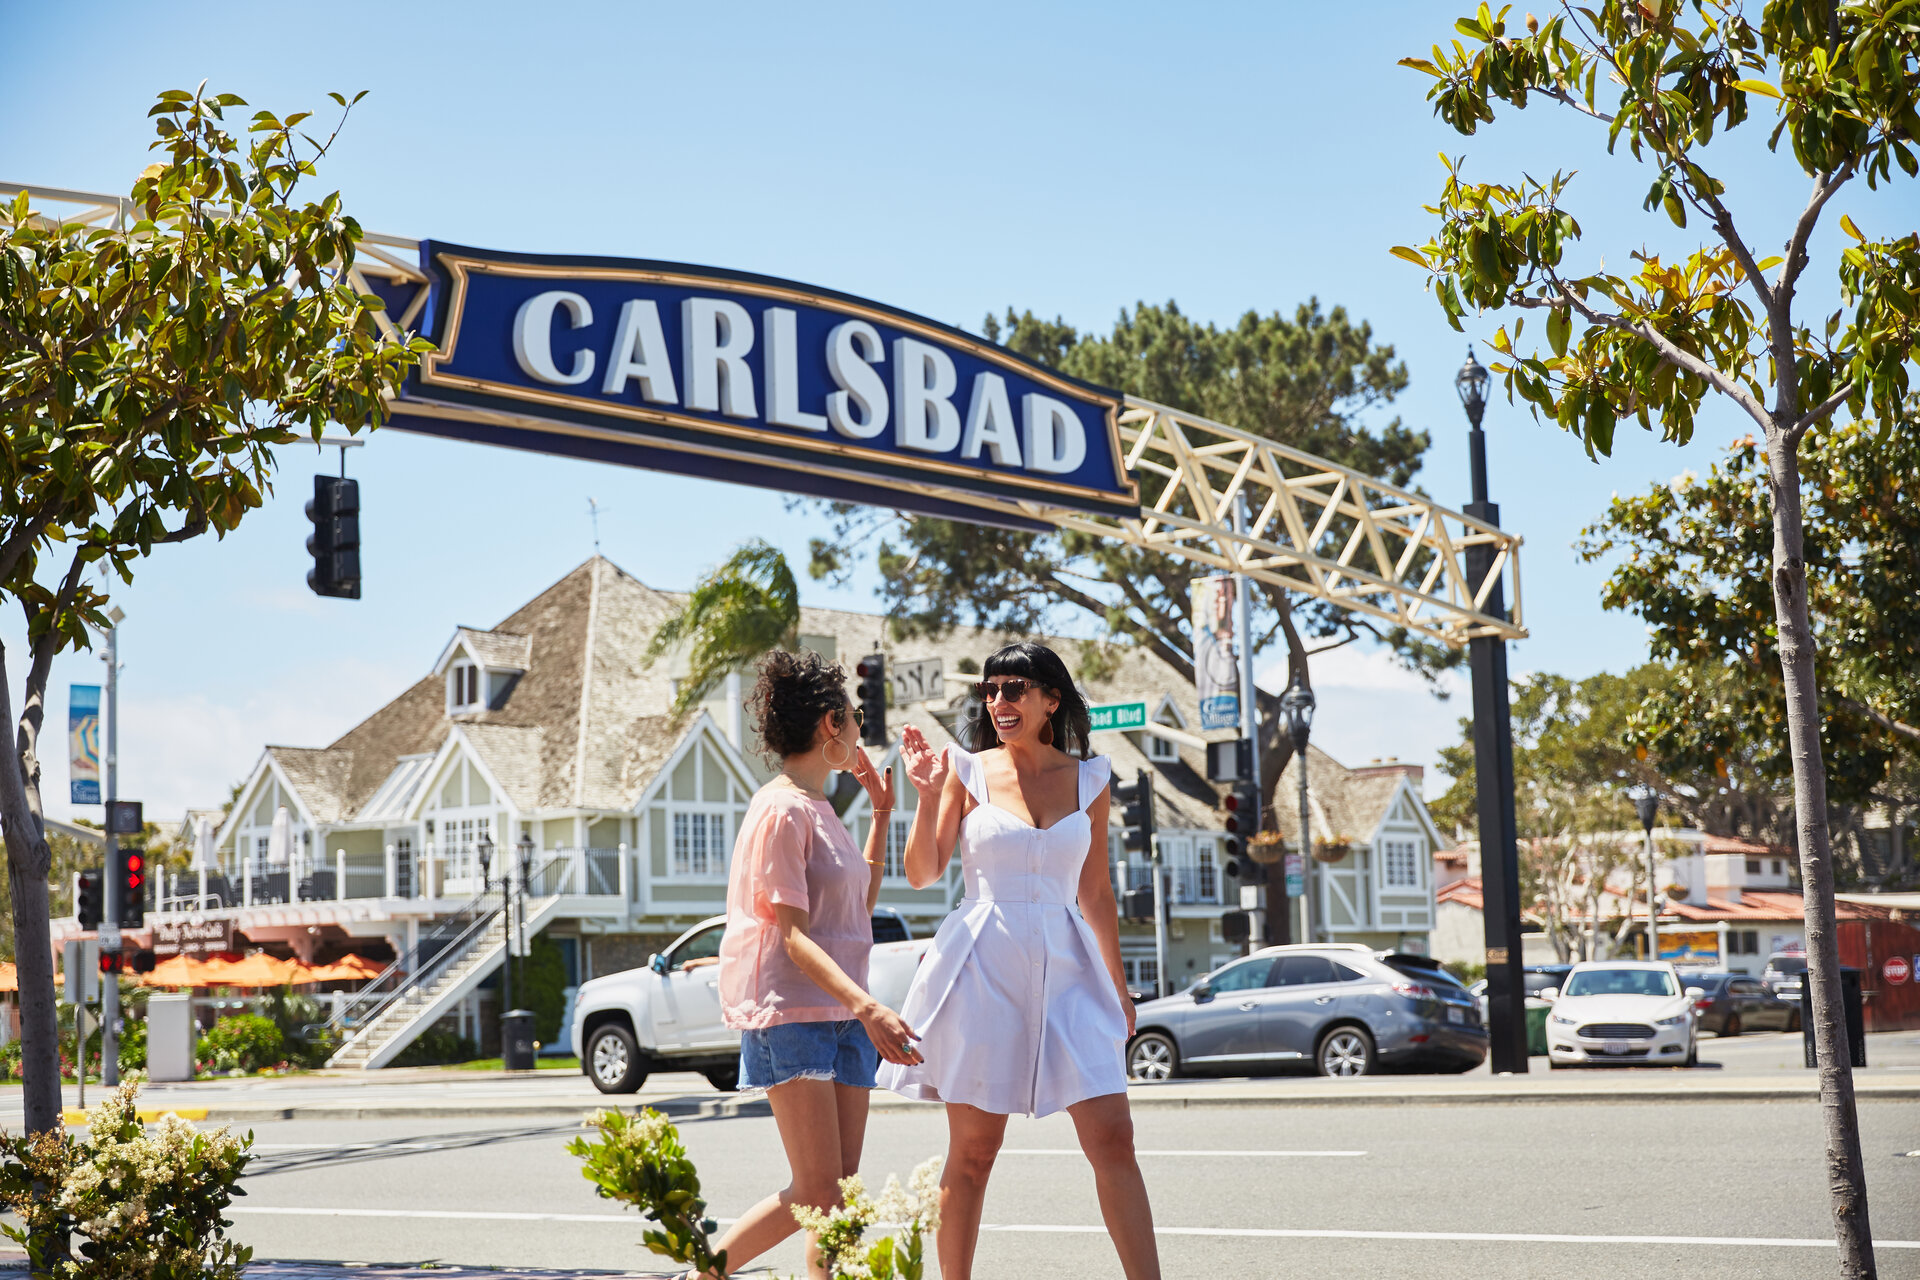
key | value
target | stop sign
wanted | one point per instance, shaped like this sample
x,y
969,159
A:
x,y
1896,970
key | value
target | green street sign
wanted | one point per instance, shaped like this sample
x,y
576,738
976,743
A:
x,y
1119,715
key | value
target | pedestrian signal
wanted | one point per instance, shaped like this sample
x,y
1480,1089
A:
x,y
133,889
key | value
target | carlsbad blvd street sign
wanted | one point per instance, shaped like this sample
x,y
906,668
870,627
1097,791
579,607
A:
x,y
751,379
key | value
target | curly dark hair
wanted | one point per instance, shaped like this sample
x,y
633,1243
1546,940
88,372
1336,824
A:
x,y
1072,727
794,690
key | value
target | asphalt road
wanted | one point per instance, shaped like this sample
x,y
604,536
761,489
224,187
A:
x,y
1626,1190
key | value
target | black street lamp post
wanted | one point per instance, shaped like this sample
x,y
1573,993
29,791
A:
x,y
1493,765
1646,804
516,1025
1296,704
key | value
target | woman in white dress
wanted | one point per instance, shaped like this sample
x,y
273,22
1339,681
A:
x,y
1021,1003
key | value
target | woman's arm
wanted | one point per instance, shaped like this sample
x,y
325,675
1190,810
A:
x,y
943,803
876,856
1097,906
889,1033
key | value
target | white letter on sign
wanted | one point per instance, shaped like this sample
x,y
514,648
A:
x,y
716,336
640,351
782,371
533,337
990,422
859,383
923,382
1056,442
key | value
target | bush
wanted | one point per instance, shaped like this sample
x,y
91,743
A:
x,y
133,1044
125,1201
302,1022
437,1046
542,987
1468,971
244,1042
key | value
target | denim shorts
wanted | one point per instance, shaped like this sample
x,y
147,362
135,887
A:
x,y
838,1051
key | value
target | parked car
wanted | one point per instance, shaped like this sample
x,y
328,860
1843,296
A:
x,y
1343,1009
1730,1003
1538,978
1784,973
666,1015
1618,1012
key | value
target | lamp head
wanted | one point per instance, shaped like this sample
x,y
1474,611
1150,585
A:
x,y
1472,382
1296,704
1646,803
483,849
526,856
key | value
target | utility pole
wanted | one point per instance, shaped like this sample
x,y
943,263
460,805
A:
x,y
114,910
1161,986
1277,927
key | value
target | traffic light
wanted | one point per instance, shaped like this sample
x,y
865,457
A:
x,y
1243,820
133,888
90,906
142,961
335,542
1136,814
109,962
1236,927
872,671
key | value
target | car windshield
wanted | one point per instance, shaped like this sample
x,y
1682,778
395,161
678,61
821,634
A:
x,y
1538,982
1620,982
1710,983
1788,964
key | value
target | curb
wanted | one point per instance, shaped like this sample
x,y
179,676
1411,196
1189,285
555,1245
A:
x,y
735,1108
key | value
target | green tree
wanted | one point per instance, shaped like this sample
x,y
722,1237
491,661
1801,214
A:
x,y
745,607
1312,381
1692,558
1844,80
149,371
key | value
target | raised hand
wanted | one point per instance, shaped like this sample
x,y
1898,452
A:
x,y
926,767
879,785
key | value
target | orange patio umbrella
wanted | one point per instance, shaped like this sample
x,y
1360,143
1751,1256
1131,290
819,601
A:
x,y
9,977
258,970
175,971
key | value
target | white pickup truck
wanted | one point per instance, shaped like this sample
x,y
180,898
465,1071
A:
x,y
666,1016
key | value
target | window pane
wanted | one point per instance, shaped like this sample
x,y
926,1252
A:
x,y
1244,976
1300,971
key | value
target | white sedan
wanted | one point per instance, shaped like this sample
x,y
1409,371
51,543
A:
x,y
1617,1012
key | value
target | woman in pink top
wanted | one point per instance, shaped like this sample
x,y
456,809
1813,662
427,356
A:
x,y
793,960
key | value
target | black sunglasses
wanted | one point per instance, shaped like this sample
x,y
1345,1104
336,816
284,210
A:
x,y
1009,690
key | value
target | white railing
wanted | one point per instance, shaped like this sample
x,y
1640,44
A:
x,y
1190,882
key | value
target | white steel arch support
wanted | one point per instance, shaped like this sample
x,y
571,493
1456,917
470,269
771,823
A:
x,y
1318,528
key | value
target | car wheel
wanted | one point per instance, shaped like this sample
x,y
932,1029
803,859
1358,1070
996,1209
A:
x,y
726,1079
1153,1056
1345,1051
613,1060
1732,1025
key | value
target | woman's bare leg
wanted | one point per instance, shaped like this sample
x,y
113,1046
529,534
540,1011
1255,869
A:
x,y
973,1140
1105,1126
809,1115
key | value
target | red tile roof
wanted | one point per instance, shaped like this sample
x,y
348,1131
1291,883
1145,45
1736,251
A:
x,y
1764,905
1733,844
1466,892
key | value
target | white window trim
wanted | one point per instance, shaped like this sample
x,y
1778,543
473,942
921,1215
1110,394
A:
x,y
1385,856
1161,750
729,811
461,673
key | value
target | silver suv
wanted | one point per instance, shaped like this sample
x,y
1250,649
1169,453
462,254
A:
x,y
1342,1008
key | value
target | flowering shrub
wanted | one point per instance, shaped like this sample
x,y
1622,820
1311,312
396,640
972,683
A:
x,y
244,1042
641,1161
841,1231
139,1204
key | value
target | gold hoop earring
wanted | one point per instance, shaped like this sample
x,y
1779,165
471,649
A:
x,y
829,758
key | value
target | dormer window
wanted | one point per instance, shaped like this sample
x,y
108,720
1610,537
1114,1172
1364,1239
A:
x,y
463,687
1165,750
1161,750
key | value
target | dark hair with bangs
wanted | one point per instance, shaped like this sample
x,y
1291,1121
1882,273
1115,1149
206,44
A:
x,y
1072,730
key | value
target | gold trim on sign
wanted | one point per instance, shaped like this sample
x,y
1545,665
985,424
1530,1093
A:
x,y
430,375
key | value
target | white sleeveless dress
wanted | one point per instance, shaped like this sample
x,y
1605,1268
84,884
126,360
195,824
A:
x,y
1015,1009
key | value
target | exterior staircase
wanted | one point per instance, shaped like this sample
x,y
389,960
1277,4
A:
x,y
391,1011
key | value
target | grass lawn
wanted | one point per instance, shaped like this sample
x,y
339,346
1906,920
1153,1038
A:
x,y
540,1064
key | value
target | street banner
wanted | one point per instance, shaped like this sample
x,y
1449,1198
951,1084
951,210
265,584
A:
x,y
751,379
1296,876
194,939
83,743
1216,659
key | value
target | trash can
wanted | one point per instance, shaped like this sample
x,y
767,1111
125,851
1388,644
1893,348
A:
x,y
171,1037
1855,1007
516,1040
1537,1011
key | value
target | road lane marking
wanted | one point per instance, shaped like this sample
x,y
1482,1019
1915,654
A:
x,y
348,1146
1243,1233
1074,1151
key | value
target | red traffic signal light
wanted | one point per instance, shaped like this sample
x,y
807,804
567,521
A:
x,y
136,869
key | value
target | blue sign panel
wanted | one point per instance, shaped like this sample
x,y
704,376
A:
x,y
755,380
83,743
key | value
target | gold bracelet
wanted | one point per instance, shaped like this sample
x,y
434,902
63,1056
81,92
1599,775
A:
x,y
881,811
870,862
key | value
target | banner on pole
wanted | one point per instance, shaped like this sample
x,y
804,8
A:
x,y
1216,658
83,739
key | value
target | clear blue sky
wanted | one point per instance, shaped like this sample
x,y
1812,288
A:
x,y
1069,158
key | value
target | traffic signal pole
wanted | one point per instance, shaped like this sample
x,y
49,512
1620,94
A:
x,y
110,892
1276,924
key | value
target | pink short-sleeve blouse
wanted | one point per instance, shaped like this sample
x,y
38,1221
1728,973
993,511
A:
x,y
792,850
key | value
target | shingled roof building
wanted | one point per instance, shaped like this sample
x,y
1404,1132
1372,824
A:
x,y
548,734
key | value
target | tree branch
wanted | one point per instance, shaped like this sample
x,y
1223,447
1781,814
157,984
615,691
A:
x,y
1669,351
1562,96
22,541
1819,411
1783,285
1880,718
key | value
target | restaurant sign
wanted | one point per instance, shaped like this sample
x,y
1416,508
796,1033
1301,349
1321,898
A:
x,y
195,939
753,380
